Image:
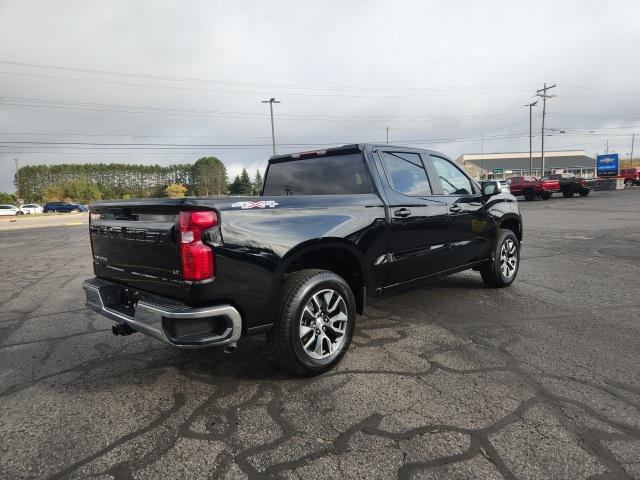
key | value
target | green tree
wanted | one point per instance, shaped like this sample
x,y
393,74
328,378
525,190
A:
x,y
246,185
54,193
6,197
235,187
210,177
175,190
257,183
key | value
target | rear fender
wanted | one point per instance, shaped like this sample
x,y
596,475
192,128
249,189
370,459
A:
x,y
318,245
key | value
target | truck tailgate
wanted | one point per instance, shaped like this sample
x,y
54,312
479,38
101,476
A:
x,y
138,243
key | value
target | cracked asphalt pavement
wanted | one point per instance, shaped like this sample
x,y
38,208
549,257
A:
x,y
447,380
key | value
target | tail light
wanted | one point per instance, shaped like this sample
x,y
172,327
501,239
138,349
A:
x,y
198,259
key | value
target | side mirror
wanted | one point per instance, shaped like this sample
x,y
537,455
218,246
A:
x,y
490,189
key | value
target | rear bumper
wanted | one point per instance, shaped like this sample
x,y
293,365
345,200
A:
x,y
165,319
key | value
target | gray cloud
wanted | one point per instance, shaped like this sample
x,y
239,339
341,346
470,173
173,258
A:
x,y
442,73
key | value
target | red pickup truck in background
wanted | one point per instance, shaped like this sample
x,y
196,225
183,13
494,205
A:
x,y
631,175
531,187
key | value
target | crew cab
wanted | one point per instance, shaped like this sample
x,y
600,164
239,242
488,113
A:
x,y
331,229
630,175
530,187
569,184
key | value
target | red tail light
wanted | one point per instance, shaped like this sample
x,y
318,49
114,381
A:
x,y
198,260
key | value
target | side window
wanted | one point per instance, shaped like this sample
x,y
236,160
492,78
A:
x,y
406,173
453,181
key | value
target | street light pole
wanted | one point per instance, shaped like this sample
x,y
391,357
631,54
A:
x,y
531,105
271,101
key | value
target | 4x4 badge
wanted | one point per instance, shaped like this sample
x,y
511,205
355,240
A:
x,y
260,204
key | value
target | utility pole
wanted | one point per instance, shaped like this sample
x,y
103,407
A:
x,y
17,177
271,101
542,93
531,105
607,150
482,175
633,140
387,134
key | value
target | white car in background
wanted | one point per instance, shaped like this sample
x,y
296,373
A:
x,y
7,209
30,208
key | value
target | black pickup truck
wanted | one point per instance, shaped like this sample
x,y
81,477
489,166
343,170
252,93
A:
x,y
332,228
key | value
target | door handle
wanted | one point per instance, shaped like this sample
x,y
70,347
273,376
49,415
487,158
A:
x,y
402,212
455,208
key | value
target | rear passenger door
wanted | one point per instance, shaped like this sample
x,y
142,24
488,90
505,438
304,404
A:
x,y
419,219
470,227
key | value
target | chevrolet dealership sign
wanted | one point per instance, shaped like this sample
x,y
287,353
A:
x,y
607,165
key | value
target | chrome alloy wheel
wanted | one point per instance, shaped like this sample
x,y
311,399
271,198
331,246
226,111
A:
x,y
508,258
323,324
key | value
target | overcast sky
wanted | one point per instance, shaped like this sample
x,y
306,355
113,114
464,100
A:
x,y
441,75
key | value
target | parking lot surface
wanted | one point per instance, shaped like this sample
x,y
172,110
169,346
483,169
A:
x,y
448,380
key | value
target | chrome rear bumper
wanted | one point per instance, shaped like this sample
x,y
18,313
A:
x,y
165,319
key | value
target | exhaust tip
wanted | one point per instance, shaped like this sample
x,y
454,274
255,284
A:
x,y
232,347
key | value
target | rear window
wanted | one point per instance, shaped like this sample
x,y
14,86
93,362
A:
x,y
335,175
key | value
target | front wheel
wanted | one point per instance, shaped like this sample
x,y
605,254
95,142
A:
x,y
316,318
501,271
545,195
584,192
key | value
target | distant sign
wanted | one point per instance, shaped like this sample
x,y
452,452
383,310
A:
x,y
498,170
607,165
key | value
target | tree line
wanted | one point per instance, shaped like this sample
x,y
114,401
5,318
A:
x,y
87,182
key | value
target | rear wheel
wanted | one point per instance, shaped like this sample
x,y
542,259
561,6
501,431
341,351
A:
x,y
567,192
501,271
316,318
529,195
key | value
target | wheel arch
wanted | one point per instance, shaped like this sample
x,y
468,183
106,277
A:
x,y
333,254
513,223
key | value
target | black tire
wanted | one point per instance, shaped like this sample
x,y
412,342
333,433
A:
x,y
584,192
545,195
628,182
567,192
285,339
529,195
492,272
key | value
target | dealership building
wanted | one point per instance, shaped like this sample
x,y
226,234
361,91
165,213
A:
x,y
506,165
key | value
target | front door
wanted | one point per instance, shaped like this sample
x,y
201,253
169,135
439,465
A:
x,y
419,219
471,228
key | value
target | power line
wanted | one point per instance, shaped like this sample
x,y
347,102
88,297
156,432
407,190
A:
x,y
163,110
182,79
